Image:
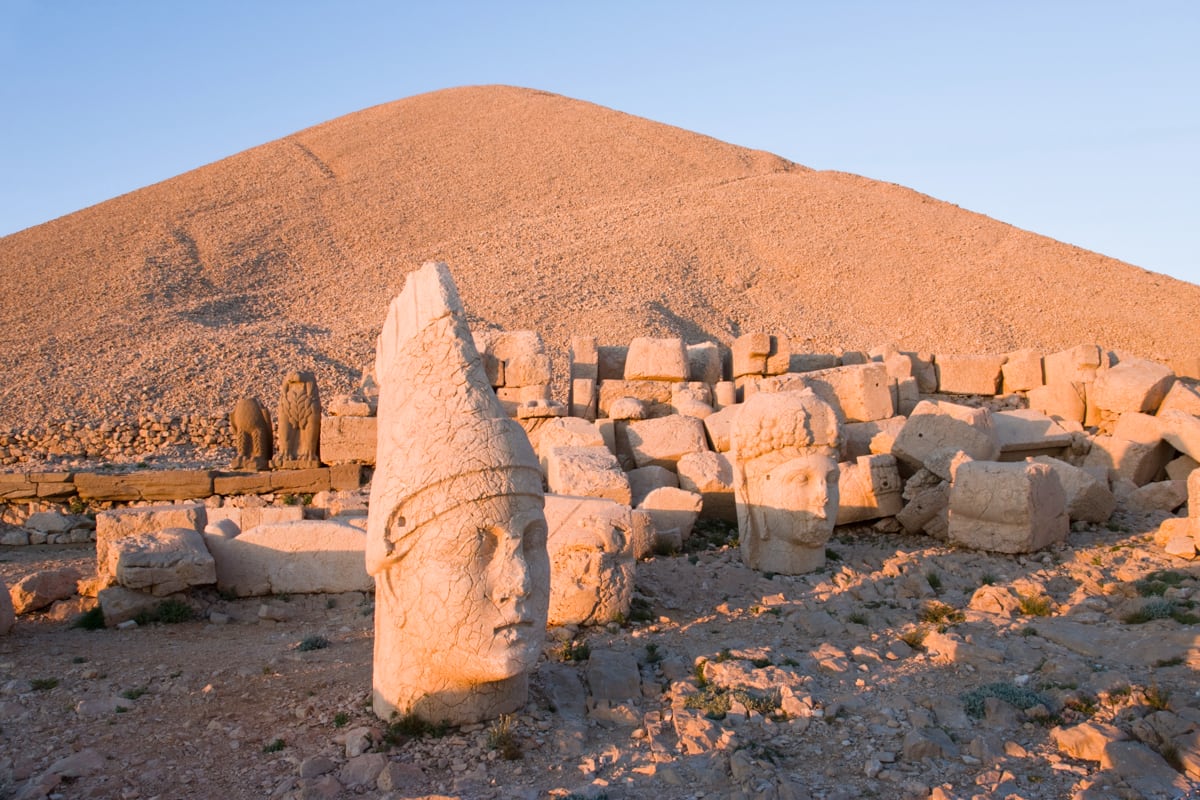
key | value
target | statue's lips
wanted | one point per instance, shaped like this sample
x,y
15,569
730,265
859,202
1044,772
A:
x,y
512,628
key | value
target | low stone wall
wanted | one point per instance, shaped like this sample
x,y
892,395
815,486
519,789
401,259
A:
x,y
113,439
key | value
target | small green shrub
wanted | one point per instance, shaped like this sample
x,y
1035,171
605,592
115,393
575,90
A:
x,y
274,746
134,694
723,655
412,726
1018,696
90,620
312,643
941,614
340,719
759,663
935,582
1035,605
575,651
988,579
1157,698
832,555
169,612
43,684
1153,608
857,618
503,739
698,674
652,654
1156,583
915,638
640,610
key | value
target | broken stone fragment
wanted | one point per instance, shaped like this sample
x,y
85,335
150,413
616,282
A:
x,y
1007,508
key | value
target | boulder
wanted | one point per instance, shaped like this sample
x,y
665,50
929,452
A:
x,y
869,438
970,374
587,472
1076,365
718,427
566,432
1138,462
935,426
704,363
114,525
673,509
1183,397
162,562
1134,385
1165,496
1007,508
309,556
927,511
663,441
41,589
710,475
1026,433
1182,431
760,354
1065,401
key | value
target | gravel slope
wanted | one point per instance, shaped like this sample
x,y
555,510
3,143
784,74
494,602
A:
x,y
555,215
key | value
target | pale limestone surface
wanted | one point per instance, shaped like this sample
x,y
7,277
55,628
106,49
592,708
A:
x,y
587,472
785,480
704,363
673,509
1134,385
718,427
163,562
1021,371
1182,431
969,374
348,440
299,420
1181,397
118,523
710,475
651,359
1139,462
296,557
868,488
869,438
1088,497
43,588
591,549
644,480
857,393
935,426
566,432
1065,401
1007,508
664,440
252,438
1025,433
1078,364
456,535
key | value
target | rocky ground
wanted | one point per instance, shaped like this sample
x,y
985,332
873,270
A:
x,y
904,669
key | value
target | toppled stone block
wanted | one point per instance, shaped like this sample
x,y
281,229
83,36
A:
x,y
1066,401
119,604
1179,469
591,549
163,562
1078,364
656,360
527,369
718,426
117,524
935,426
1181,397
1137,462
644,480
566,432
584,358
1021,371
710,475
308,556
1026,433
42,589
1088,498
587,472
582,398
927,511
252,516
971,374
858,393
870,438
673,509
1182,431
704,363
349,439
760,354
655,395
1165,496
692,400
663,441
1138,427
868,488
1007,508
1135,385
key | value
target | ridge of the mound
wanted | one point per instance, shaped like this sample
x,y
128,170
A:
x,y
555,215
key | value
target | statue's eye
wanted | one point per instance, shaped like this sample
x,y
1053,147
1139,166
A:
x,y
533,537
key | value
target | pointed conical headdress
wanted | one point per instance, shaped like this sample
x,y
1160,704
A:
x,y
444,440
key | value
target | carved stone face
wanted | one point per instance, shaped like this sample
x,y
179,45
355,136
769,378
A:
x,y
792,501
592,571
474,589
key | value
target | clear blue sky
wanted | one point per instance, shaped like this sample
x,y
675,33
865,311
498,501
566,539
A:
x,y
1077,120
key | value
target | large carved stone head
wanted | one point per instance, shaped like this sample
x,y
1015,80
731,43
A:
x,y
786,480
456,535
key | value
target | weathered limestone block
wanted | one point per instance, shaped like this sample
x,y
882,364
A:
x,y
566,432
1065,401
710,475
245,519
527,369
584,358
644,480
1182,431
927,511
299,419
1138,462
43,588
1135,385
643,535
226,484
628,408
582,399
295,557
905,395
350,405
591,549
456,535
869,438
785,480
1138,427
858,393
587,472
53,485
165,485
1088,498
1179,469
1178,536
718,427
1163,496
120,523
1007,508
17,487
868,488
1193,486
724,394
692,400
119,604
1181,397
704,363
935,426
610,362
1021,371
1076,365
8,617
973,374
750,352
656,360
252,439
300,481
348,440
903,364
656,395
1026,433
163,562
663,441
673,509
813,362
